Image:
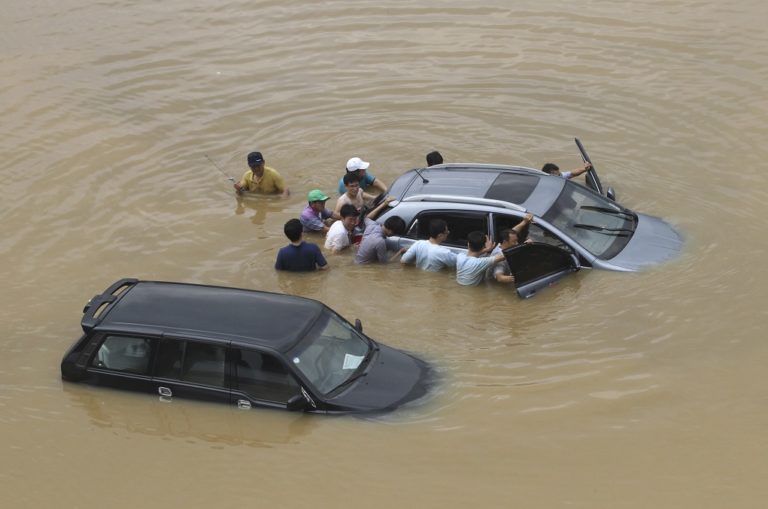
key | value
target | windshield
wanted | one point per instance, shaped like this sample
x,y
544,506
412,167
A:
x,y
331,353
598,224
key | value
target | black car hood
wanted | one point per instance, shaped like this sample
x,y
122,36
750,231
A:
x,y
392,378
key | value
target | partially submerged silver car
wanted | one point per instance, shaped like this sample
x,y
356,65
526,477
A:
x,y
574,226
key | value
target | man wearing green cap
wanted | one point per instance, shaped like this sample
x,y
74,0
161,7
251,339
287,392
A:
x,y
314,214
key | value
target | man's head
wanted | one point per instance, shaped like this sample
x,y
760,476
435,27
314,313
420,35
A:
x,y
316,199
293,230
508,238
551,168
256,163
438,229
476,240
357,166
394,225
349,215
434,158
352,183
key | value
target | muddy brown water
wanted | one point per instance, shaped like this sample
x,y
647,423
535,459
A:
x,y
609,390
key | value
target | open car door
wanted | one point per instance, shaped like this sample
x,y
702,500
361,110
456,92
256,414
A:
x,y
591,178
537,265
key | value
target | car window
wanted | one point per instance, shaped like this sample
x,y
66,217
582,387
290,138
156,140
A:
x,y
330,353
264,377
191,361
460,225
124,353
512,187
601,226
533,232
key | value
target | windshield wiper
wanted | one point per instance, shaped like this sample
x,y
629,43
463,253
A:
x,y
614,212
618,232
361,369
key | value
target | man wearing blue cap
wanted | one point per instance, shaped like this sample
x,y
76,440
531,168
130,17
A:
x,y
261,178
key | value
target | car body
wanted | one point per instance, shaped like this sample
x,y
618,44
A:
x,y
574,226
243,347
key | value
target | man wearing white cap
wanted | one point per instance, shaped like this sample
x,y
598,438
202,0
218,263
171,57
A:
x,y
359,167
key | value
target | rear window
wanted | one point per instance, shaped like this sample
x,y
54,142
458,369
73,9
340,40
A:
x,y
512,187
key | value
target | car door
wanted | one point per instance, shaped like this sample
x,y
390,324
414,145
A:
x,y
537,265
460,224
192,369
120,361
261,379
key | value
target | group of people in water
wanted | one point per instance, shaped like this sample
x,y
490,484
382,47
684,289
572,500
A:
x,y
351,225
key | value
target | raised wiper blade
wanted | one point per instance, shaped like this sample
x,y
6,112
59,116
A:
x,y
617,232
608,211
349,380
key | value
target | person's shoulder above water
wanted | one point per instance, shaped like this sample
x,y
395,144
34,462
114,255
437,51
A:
x,y
359,167
261,178
299,256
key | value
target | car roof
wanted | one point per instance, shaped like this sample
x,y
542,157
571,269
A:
x,y
273,320
474,182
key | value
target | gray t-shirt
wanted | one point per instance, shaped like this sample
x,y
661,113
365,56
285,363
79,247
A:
x,y
373,247
471,270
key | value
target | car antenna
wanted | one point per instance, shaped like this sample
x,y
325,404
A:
x,y
231,179
423,180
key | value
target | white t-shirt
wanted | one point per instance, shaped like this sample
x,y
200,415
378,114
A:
x,y
470,270
428,256
337,237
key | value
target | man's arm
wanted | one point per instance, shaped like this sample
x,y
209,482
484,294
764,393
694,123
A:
x,y
579,171
378,184
409,255
375,212
320,261
243,184
519,227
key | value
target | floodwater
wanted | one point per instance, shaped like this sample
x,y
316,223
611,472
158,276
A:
x,y
609,390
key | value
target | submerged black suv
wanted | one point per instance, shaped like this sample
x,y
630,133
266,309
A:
x,y
243,347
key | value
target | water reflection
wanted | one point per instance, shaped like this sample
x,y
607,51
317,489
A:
x,y
189,420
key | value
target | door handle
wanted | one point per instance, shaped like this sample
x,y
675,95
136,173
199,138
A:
x,y
243,404
165,392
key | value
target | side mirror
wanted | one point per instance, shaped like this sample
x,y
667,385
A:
x,y
297,403
358,325
611,194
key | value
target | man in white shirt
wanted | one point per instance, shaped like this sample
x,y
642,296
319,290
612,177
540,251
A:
x,y
429,255
553,169
339,237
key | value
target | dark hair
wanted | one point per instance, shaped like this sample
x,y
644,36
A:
x,y
351,177
476,240
293,229
395,224
436,227
434,158
549,168
348,210
506,232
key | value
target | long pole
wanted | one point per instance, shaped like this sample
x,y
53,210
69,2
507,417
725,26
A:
x,y
231,179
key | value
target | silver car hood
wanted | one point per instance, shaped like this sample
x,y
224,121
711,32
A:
x,y
653,242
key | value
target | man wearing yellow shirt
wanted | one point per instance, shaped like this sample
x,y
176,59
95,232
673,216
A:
x,y
261,178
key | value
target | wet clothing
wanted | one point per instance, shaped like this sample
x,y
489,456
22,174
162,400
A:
x,y
302,258
313,221
338,237
271,182
471,270
366,182
373,247
428,256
